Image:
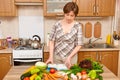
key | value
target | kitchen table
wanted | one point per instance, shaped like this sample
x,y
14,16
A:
x,y
16,71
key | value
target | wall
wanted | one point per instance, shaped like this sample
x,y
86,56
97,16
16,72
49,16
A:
x,y
9,25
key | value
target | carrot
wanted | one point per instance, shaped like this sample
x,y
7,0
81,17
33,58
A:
x,y
45,76
52,77
57,75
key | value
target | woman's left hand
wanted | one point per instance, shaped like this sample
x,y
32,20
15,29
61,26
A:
x,y
68,63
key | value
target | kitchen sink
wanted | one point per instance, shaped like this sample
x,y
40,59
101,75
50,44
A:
x,y
98,45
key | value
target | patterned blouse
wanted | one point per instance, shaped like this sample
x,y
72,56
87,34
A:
x,y
65,43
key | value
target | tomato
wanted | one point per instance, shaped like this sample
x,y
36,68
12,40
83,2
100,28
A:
x,y
83,72
26,78
52,70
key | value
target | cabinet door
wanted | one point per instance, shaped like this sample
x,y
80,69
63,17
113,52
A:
x,y
54,7
86,7
28,1
105,7
45,56
110,60
86,54
6,63
7,8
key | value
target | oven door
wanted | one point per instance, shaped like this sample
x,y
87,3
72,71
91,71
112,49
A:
x,y
27,62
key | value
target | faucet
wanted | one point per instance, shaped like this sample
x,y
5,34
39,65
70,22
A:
x,y
90,40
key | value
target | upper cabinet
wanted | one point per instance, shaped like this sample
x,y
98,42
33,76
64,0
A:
x,y
96,7
86,7
7,8
54,7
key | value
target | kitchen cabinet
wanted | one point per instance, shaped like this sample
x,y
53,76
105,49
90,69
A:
x,y
29,1
54,7
108,58
45,56
87,8
96,7
5,63
7,8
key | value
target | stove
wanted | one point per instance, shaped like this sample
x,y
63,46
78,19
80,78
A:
x,y
26,54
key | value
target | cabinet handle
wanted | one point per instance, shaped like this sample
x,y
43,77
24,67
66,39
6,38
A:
x,y
94,10
10,60
97,10
59,14
100,58
97,56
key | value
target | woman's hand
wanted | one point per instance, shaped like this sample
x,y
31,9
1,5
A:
x,y
50,60
68,63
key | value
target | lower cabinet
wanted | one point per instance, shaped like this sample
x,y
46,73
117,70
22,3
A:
x,y
5,64
45,56
108,58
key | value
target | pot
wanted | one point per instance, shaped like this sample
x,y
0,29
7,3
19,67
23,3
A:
x,y
22,42
36,42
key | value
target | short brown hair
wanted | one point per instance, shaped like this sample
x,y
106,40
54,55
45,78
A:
x,y
71,6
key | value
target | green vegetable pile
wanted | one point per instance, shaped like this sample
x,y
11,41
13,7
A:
x,y
92,68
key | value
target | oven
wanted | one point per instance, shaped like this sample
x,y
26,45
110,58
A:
x,y
26,55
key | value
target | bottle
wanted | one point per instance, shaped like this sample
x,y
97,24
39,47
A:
x,y
114,35
108,39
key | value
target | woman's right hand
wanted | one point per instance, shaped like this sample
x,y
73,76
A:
x,y
50,60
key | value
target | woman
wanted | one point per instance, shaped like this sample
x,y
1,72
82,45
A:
x,y
66,37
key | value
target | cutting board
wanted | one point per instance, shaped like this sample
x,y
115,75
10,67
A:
x,y
97,30
88,30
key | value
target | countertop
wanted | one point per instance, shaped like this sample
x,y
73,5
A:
x,y
16,71
46,49
7,50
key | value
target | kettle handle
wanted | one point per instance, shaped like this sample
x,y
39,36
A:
x,y
37,37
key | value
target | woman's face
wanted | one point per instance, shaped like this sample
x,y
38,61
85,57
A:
x,y
69,17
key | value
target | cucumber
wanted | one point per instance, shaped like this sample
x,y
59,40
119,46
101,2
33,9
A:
x,y
27,74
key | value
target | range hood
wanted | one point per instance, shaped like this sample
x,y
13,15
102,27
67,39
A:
x,y
27,2
21,3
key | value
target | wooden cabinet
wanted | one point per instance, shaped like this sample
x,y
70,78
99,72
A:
x,y
5,64
108,58
87,8
7,8
29,1
54,7
45,56
96,7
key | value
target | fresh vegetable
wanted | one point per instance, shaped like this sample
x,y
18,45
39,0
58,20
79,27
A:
x,y
26,78
32,77
86,64
27,74
87,68
92,74
52,70
30,68
35,70
37,78
79,75
41,65
83,72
